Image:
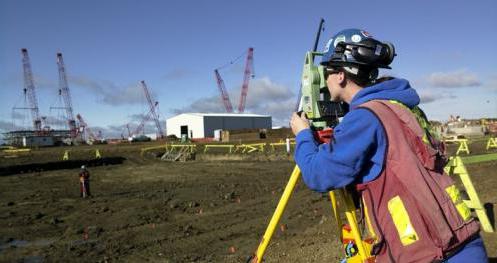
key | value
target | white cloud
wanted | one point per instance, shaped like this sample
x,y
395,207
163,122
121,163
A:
x,y
116,131
110,93
428,96
45,83
264,97
267,91
137,117
19,120
16,82
6,126
107,92
211,104
454,79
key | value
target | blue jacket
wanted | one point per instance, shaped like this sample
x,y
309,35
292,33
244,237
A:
x,y
357,151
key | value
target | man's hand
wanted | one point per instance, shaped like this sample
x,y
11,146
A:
x,y
299,123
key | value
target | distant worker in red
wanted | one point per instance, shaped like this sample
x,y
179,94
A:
x,y
84,182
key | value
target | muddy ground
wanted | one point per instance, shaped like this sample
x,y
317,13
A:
x,y
145,210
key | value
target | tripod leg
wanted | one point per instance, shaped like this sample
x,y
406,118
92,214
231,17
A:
x,y
336,213
352,220
276,216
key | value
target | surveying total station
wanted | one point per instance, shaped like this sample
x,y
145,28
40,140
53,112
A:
x,y
323,115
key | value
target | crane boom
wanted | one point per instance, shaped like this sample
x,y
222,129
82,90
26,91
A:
x,y
145,119
66,95
224,92
153,112
129,132
248,73
86,128
29,89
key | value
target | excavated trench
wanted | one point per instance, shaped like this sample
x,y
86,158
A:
x,y
14,169
58,165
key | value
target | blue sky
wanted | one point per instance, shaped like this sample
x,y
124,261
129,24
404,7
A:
x,y
445,48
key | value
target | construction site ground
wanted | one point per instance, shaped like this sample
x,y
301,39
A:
x,y
213,209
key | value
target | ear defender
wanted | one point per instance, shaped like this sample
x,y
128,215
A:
x,y
370,52
390,52
367,51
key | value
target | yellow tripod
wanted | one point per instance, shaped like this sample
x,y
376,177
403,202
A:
x,y
356,249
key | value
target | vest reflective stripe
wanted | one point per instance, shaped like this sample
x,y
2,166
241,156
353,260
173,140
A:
x,y
400,217
455,196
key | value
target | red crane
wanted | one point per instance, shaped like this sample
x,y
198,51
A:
x,y
29,89
248,73
66,95
224,92
152,111
87,130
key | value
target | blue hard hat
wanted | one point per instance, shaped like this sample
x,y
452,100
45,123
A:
x,y
353,46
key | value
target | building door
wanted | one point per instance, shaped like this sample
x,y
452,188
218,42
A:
x,y
184,131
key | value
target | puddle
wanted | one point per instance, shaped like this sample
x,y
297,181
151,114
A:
x,y
14,243
33,259
69,164
24,243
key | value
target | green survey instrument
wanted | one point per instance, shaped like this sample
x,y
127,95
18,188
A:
x,y
316,99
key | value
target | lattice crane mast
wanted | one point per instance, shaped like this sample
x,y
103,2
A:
x,y
224,93
66,95
129,131
144,120
86,129
152,112
29,90
248,73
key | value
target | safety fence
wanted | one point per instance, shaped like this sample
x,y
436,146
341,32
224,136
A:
x,y
14,153
463,144
94,154
457,167
244,148
288,146
64,154
239,148
171,147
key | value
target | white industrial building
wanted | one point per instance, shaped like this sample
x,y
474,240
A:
x,y
203,125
